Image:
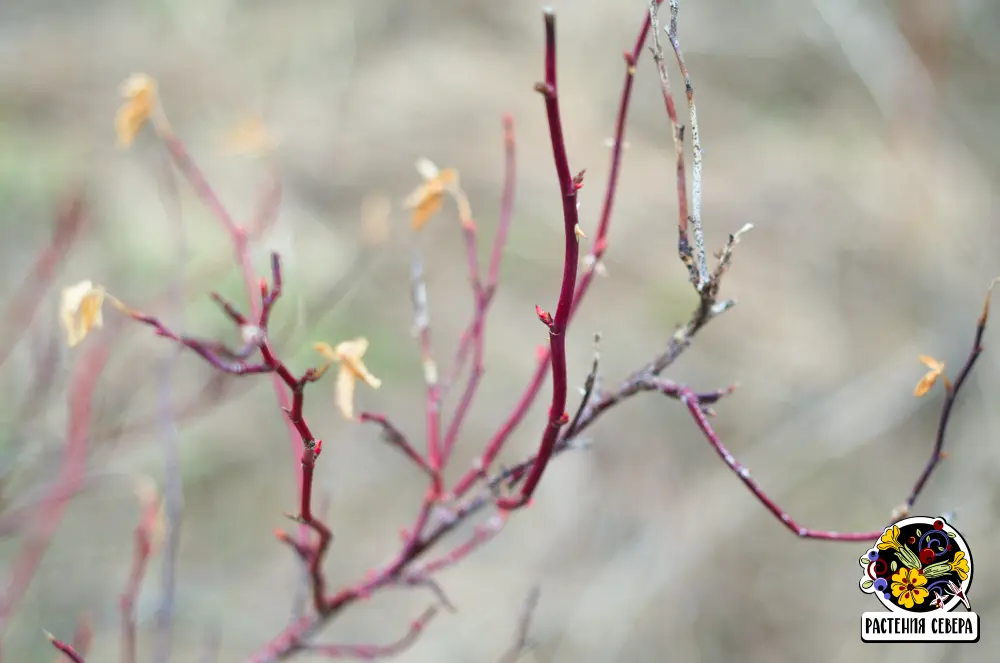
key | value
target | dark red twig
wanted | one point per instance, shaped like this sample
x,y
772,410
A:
x,y
600,246
568,186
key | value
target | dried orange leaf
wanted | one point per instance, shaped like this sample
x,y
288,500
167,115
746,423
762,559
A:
x,y
140,99
428,206
927,381
925,384
426,200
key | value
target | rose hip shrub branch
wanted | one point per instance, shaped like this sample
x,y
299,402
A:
x,y
484,496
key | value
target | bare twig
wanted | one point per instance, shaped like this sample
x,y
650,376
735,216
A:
x,y
557,324
696,152
937,452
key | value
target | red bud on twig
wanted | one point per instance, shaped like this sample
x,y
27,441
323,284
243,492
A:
x,y
543,315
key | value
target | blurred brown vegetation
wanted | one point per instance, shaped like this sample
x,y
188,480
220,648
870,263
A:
x,y
860,139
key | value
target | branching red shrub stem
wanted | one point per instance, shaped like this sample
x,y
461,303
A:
x,y
480,488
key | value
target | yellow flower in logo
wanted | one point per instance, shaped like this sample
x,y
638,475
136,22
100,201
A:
x,y
960,565
908,587
890,539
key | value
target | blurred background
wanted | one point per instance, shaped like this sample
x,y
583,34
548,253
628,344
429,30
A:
x,y
860,138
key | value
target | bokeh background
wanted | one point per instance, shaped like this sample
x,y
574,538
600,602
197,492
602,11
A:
x,y
859,137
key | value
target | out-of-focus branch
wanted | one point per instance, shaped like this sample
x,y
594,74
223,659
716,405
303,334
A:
x,y
952,389
30,294
523,627
86,373
145,533
598,249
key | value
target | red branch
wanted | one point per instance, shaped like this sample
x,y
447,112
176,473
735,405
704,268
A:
x,y
439,515
476,333
568,185
527,398
266,213
311,446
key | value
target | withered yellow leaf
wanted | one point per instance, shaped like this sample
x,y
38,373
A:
x,y
140,99
80,310
427,198
352,368
936,370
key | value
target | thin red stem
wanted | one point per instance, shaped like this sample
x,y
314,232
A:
x,y
571,258
475,335
496,443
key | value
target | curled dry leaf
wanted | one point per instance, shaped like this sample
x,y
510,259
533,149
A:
x,y
426,200
139,105
936,370
349,354
80,310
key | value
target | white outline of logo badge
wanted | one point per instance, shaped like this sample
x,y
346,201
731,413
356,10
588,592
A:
x,y
906,625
